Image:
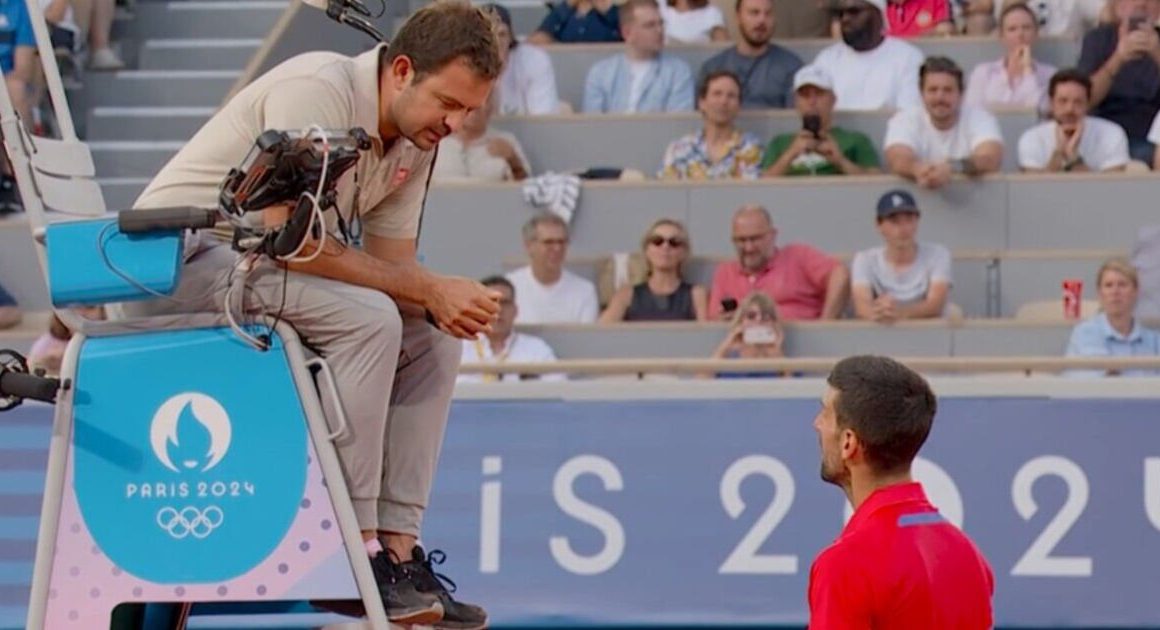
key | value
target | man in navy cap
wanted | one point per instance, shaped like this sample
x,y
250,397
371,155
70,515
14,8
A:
x,y
903,278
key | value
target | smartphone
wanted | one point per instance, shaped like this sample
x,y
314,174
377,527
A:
x,y
728,305
755,335
813,124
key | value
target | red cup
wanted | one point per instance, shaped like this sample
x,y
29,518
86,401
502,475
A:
x,y
1072,298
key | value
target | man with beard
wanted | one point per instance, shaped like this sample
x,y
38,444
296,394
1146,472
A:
x,y
898,563
1072,141
720,150
386,325
765,69
928,145
870,70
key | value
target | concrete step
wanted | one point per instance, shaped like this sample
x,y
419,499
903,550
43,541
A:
x,y
145,123
132,158
202,18
159,88
121,192
197,54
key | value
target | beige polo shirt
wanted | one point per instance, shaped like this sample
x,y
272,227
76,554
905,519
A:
x,y
318,88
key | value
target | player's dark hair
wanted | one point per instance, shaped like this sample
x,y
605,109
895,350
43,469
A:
x,y
447,31
887,405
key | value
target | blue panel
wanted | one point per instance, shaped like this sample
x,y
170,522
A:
x,y
190,457
78,273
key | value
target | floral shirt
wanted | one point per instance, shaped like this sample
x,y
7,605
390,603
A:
x,y
688,158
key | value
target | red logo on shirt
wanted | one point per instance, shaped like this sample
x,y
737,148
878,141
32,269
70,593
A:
x,y
401,176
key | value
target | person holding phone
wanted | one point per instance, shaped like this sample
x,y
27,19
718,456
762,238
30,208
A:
x,y
755,333
819,148
1123,61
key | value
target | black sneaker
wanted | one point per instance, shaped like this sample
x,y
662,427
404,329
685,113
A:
x,y
456,615
404,603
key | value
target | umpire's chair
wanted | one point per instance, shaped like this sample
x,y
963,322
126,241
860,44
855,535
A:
x,y
185,466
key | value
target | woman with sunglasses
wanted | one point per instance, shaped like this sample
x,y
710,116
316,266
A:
x,y
756,333
664,295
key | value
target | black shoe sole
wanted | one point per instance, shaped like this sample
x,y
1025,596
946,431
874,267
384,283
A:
x,y
459,626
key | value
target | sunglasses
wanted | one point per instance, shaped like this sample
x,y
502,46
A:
x,y
675,242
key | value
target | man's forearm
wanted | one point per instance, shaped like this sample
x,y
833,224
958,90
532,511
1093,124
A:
x,y
403,280
1102,79
836,290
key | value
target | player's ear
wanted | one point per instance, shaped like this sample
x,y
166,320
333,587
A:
x,y
850,446
401,71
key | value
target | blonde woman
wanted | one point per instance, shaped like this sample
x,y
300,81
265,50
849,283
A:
x,y
664,295
1114,331
756,333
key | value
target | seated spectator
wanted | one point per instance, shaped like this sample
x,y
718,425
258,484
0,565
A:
x,y
819,148
64,34
96,17
527,84
546,292
503,344
903,278
974,17
870,70
756,333
1016,80
720,150
642,78
918,18
664,295
693,22
1123,61
47,351
10,314
930,144
1062,18
1072,141
576,21
802,18
1115,331
765,69
479,153
804,282
18,62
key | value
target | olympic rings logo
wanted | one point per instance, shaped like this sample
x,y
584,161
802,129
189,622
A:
x,y
190,521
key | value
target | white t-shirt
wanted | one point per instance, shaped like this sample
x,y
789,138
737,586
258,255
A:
x,y
1154,132
1103,145
459,161
520,348
912,128
883,78
528,83
1061,17
691,27
932,264
637,71
571,300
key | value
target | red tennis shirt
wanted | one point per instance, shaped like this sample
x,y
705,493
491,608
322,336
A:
x,y
899,565
914,18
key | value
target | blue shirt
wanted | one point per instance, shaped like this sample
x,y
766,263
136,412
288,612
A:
x,y
1095,337
15,30
564,25
667,87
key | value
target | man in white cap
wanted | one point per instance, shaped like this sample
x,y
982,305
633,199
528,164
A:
x,y
819,148
870,70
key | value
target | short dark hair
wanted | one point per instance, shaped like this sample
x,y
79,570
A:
x,y
1069,75
737,5
446,31
493,281
703,88
943,65
887,405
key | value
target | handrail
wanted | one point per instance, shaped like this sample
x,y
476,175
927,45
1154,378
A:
x,y
692,366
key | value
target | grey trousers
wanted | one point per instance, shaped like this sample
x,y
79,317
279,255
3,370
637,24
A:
x,y
395,376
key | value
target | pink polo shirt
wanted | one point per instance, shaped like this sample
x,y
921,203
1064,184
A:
x,y
795,277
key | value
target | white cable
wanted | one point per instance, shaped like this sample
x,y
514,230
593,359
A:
x,y
243,266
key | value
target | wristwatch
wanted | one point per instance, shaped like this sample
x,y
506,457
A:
x,y
1072,163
